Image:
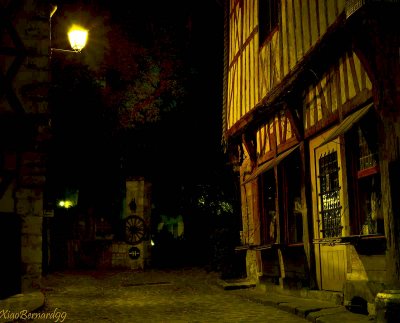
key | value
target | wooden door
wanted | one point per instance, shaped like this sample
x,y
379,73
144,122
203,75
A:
x,y
329,213
333,267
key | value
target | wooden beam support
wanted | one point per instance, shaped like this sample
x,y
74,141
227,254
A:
x,y
297,125
249,142
376,41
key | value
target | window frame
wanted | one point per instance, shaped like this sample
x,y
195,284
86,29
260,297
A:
x,y
266,179
288,222
287,185
359,178
268,19
329,186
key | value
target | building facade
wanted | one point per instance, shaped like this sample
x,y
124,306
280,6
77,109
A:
x,y
24,139
311,124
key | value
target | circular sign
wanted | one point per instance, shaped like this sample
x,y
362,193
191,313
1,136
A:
x,y
134,253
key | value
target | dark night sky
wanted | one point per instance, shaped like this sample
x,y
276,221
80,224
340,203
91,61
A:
x,y
187,149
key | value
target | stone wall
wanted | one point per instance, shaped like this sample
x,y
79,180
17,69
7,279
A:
x,y
138,190
25,123
251,265
120,256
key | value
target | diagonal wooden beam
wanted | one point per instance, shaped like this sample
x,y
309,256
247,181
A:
x,y
295,122
249,142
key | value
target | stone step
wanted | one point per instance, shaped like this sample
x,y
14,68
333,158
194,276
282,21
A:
x,y
230,284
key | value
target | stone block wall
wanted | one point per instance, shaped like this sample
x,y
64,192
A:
x,y
25,123
139,190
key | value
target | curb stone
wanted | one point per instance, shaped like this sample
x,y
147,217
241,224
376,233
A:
x,y
315,311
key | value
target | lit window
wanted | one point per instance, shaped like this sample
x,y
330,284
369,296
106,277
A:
x,y
364,178
329,195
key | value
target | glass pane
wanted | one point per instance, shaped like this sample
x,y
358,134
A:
x,y
370,205
329,194
368,155
292,169
268,228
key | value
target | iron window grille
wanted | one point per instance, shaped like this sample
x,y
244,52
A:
x,y
330,195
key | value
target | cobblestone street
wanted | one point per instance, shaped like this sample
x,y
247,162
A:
x,y
151,296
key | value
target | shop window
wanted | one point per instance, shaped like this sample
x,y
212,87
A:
x,y
289,193
368,152
364,182
330,195
368,217
268,209
267,18
290,198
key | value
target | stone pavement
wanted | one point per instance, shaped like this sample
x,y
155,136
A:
x,y
186,295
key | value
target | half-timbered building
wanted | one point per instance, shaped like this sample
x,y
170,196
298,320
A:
x,y
311,124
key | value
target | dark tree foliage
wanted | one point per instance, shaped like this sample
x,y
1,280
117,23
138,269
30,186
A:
x,y
144,84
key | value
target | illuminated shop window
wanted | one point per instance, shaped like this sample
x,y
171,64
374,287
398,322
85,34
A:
x,y
330,195
364,182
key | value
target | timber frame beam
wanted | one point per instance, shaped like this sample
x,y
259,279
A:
x,y
306,72
249,141
295,121
376,41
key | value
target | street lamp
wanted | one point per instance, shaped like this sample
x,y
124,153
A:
x,y
77,37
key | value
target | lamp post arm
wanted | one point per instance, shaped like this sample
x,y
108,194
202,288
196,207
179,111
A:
x,y
64,50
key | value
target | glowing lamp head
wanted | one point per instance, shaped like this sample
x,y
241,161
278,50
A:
x,y
77,37
65,204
